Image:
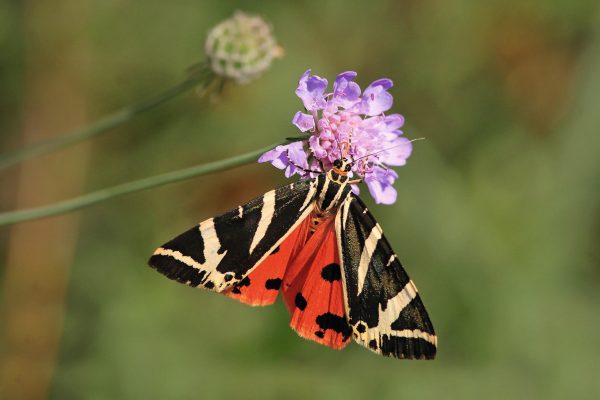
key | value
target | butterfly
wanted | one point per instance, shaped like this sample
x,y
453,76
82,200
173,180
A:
x,y
317,244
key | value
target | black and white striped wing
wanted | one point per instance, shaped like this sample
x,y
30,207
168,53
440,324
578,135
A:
x,y
383,307
221,251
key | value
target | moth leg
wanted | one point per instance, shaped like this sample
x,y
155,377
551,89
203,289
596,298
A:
x,y
304,169
355,181
321,164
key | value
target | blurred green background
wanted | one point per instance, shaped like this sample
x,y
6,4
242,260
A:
x,y
497,218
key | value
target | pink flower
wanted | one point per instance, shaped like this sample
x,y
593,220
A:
x,y
347,123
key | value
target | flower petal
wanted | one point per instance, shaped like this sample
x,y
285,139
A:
x,y
297,155
311,90
304,122
400,150
382,194
315,146
278,157
291,157
345,92
376,99
394,122
380,182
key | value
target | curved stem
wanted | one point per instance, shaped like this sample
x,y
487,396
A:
x,y
202,76
89,199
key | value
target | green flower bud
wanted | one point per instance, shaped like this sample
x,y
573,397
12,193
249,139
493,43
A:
x,y
241,47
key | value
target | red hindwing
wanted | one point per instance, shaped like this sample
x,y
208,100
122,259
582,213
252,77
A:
x,y
312,290
306,269
261,286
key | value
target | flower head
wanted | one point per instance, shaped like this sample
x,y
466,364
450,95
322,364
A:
x,y
241,47
346,122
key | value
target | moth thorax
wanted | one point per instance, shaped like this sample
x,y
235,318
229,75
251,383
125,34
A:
x,y
338,176
330,193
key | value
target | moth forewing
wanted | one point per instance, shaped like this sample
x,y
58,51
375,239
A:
x,y
383,306
221,251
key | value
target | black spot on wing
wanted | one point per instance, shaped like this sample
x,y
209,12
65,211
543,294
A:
x,y
244,282
413,316
334,322
373,344
331,272
402,347
361,328
320,334
237,289
273,284
300,301
209,285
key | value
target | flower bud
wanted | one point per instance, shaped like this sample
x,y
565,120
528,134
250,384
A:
x,y
241,47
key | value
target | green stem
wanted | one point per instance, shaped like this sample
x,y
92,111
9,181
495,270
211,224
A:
x,y
89,199
201,76
297,138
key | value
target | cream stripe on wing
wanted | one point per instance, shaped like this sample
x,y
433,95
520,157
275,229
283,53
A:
x,y
376,334
187,260
266,215
417,334
340,225
367,253
338,195
309,196
323,192
345,208
212,245
391,260
396,304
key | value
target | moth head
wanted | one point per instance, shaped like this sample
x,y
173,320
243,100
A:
x,y
342,166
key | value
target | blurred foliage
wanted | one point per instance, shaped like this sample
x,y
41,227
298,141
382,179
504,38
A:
x,y
497,221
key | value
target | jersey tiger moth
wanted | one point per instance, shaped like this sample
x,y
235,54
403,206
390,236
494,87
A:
x,y
316,243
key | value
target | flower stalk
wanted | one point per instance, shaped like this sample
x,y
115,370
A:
x,y
201,77
99,196
240,48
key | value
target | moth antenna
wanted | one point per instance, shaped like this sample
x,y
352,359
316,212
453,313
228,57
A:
x,y
341,148
345,149
305,169
349,141
382,150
